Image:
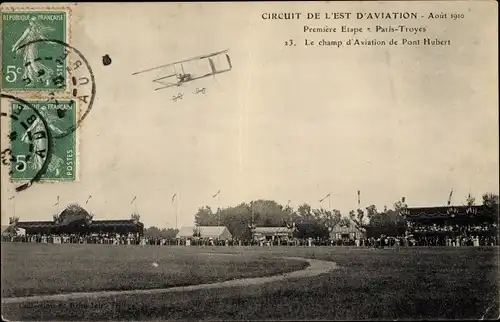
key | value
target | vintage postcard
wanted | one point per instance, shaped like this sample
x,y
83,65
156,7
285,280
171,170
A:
x,y
250,161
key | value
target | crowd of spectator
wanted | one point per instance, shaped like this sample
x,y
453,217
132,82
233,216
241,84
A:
x,y
463,236
109,239
462,229
485,234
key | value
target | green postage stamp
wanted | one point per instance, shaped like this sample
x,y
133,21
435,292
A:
x,y
29,61
29,154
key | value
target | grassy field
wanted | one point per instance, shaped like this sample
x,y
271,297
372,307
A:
x,y
36,269
413,283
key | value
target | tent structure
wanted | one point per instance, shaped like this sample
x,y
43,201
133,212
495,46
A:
x,y
7,229
205,232
270,233
12,230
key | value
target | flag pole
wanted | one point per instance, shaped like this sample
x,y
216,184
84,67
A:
x,y
219,210
175,198
88,199
134,203
57,204
13,204
323,199
176,211
218,206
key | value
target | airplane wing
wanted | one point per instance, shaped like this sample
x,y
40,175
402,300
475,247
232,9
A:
x,y
183,61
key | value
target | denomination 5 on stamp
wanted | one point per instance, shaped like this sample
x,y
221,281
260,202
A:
x,y
29,149
29,64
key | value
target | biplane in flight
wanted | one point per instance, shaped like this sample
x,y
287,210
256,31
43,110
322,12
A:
x,y
178,73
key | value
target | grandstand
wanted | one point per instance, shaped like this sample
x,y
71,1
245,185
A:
x,y
452,225
75,220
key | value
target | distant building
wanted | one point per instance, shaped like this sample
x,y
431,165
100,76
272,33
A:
x,y
205,232
347,230
272,233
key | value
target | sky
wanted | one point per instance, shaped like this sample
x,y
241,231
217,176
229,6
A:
x,y
286,123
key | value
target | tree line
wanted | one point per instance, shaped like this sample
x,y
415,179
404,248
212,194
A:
x,y
306,221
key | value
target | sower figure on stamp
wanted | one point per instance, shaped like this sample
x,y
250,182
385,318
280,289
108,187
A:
x,y
41,145
34,70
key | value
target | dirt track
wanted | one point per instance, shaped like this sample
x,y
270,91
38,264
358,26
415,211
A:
x,y
315,267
